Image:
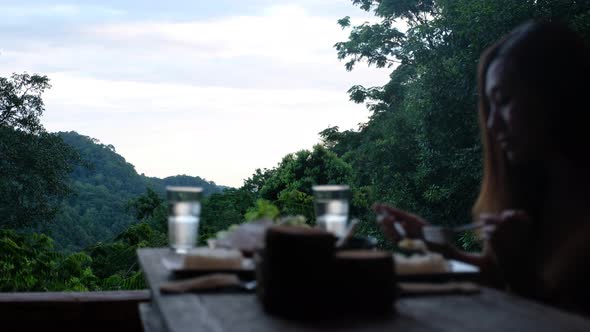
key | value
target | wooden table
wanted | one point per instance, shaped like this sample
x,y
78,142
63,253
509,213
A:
x,y
488,311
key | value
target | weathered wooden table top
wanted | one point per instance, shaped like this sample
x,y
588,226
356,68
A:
x,y
488,311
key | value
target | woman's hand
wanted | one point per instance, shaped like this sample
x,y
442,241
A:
x,y
412,224
509,232
509,246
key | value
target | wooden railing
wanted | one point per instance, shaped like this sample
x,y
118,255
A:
x,y
69,311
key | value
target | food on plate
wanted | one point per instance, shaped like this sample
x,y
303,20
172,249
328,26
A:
x,y
247,237
420,260
213,259
413,245
429,263
297,220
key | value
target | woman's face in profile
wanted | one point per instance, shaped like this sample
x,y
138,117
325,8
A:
x,y
514,118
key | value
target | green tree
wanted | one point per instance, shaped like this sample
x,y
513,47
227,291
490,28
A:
x,y
115,263
21,105
28,262
289,185
420,148
34,164
145,205
221,210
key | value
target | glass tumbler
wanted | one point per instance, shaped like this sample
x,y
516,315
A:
x,y
184,212
331,204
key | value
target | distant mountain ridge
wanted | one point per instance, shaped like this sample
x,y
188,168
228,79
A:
x,y
209,187
102,187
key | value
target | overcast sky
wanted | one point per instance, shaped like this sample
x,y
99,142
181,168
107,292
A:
x,y
208,88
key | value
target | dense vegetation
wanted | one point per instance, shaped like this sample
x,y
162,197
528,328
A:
x,y
34,164
419,151
102,187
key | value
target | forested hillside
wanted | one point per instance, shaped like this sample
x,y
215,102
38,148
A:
x,y
101,187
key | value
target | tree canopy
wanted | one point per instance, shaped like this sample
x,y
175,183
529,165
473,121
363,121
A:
x,y
21,104
102,187
420,149
34,164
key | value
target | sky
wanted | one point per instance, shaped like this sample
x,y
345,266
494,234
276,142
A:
x,y
213,89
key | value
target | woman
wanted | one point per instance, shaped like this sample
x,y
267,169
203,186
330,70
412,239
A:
x,y
533,118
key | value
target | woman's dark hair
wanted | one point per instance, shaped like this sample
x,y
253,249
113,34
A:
x,y
552,61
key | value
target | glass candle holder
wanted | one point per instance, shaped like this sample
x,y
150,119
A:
x,y
331,204
184,213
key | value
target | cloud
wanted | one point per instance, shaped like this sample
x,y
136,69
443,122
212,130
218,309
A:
x,y
47,10
219,133
284,46
215,97
283,33
56,11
